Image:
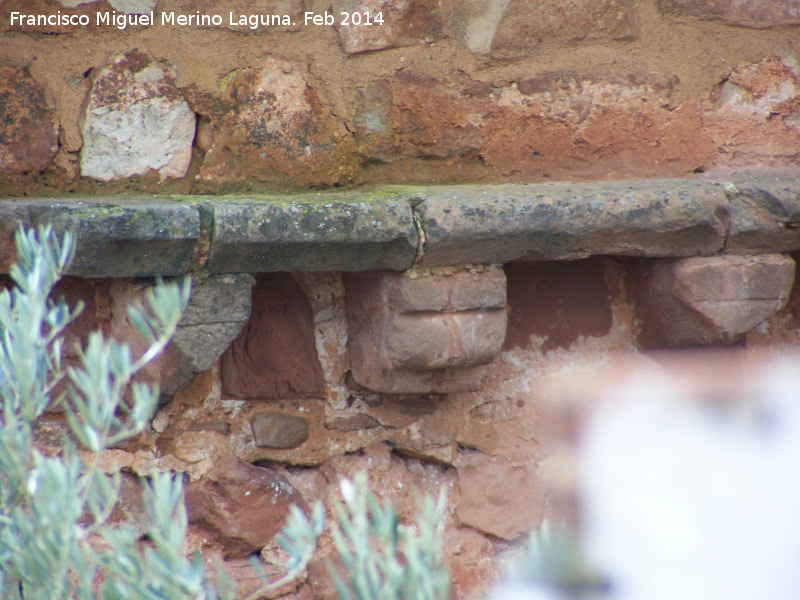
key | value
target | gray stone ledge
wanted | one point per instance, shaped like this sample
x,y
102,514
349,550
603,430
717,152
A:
x,y
130,237
327,232
498,224
748,212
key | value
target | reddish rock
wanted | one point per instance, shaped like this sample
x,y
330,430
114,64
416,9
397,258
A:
x,y
422,332
136,121
501,26
274,127
386,23
242,505
754,116
757,14
711,300
471,560
563,124
499,495
559,301
412,115
28,133
275,356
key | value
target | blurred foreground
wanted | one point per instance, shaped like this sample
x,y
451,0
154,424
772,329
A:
x,y
685,474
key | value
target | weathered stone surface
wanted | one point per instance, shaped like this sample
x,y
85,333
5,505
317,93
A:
x,y
490,224
754,116
470,557
242,505
251,10
549,125
274,356
279,430
499,495
557,302
448,290
272,126
136,121
500,26
598,125
218,309
764,211
406,335
414,115
711,300
130,237
757,14
28,133
325,292
405,22
353,423
330,232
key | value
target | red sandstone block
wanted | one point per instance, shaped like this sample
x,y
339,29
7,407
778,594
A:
x,y
365,25
490,27
270,125
711,300
404,340
28,134
757,14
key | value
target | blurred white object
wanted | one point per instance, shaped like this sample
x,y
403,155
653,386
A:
x,y
692,492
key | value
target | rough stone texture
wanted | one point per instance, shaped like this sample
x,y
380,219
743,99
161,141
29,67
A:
x,y
416,115
329,232
503,26
567,221
218,309
270,125
711,300
279,430
501,496
28,133
250,9
130,237
559,124
754,116
420,332
757,14
242,505
274,356
564,124
764,211
325,292
136,121
525,25
557,302
405,22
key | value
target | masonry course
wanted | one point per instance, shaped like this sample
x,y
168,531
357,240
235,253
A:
x,y
749,212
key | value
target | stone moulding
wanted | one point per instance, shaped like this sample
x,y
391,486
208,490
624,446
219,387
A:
x,y
393,228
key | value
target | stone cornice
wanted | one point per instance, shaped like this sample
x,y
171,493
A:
x,y
393,228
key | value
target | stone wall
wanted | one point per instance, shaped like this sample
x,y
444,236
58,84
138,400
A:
x,y
443,91
415,331
336,332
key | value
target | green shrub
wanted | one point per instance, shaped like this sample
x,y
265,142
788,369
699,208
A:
x,y
382,559
55,540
